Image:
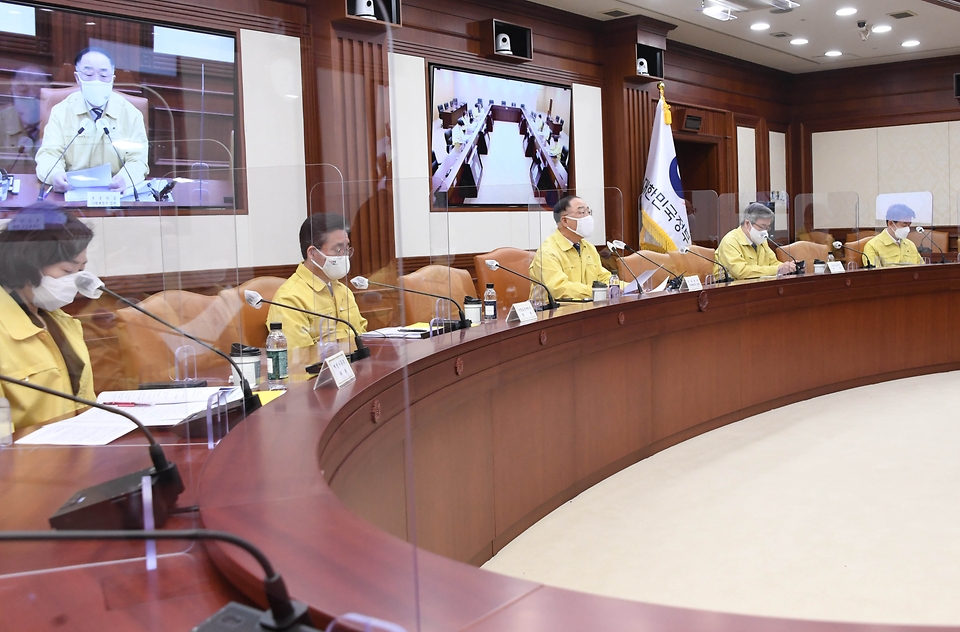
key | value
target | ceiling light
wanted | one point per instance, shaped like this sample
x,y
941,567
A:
x,y
91,23
846,11
910,43
717,10
759,26
833,53
882,28
798,42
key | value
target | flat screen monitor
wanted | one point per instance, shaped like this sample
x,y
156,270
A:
x,y
507,125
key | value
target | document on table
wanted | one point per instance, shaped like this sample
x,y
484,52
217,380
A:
x,y
633,286
152,408
84,181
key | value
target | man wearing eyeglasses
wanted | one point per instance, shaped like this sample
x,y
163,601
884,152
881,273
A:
x,y
316,286
94,107
745,251
566,262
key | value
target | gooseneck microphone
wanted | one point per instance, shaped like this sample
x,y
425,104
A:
x,y
361,283
613,249
839,245
675,281
727,277
88,283
118,503
798,266
123,161
255,301
926,235
84,124
552,303
284,613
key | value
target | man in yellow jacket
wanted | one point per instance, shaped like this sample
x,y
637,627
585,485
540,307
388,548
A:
x,y
744,250
566,262
316,286
891,246
41,250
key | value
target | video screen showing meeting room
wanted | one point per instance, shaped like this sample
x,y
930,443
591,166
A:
x,y
91,103
497,142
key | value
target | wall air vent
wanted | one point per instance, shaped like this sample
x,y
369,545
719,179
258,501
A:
x,y
615,13
900,15
780,34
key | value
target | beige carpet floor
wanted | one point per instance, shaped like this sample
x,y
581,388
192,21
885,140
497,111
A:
x,y
845,507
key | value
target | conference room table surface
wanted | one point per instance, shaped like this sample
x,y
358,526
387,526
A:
x,y
218,194
449,171
558,173
497,426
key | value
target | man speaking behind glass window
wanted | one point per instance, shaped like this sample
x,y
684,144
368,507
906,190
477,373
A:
x,y
94,107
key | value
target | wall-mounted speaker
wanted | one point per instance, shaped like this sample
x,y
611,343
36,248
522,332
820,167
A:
x,y
956,85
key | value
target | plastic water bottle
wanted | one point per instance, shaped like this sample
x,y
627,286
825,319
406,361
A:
x,y
490,304
276,358
614,283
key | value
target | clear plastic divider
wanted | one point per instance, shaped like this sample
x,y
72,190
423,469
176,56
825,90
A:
x,y
831,220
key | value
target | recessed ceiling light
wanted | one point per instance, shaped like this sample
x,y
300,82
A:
x,y
910,43
833,53
846,11
798,42
882,28
759,26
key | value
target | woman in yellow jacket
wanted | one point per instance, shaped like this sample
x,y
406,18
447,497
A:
x,y
41,250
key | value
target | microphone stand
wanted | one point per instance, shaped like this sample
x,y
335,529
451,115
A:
x,y
115,501
798,267
943,257
284,613
869,265
624,262
41,194
674,283
361,352
464,322
551,302
251,401
123,161
727,277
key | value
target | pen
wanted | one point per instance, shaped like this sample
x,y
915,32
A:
x,y
126,404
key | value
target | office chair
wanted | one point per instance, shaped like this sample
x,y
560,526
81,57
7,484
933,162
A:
x,y
434,163
503,103
448,139
564,157
514,104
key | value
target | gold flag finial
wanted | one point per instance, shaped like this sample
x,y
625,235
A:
x,y
667,114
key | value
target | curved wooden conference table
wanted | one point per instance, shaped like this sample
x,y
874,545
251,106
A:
x,y
507,422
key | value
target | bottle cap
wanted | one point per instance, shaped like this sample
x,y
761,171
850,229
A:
x,y
489,286
276,326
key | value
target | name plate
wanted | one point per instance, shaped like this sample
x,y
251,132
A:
x,y
692,283
523,312
340,369
103,198
835,267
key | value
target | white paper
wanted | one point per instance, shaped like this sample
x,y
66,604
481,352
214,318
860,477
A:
x,y
394,332
80,195
662,286
835,267
165,407
640,280
78,432
92,177
692,283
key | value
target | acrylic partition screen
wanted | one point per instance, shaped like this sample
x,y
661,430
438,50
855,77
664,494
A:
x,y
911,215
831,219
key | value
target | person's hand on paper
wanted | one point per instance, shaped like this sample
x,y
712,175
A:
x,y
60,183
118,183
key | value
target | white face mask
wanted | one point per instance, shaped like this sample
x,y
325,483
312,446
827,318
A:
x,y
335,267
757,236
584,226
902,232
28,108
96,93
55,292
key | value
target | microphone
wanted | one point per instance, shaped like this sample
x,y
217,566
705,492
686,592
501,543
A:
x,y
727,277
613,249
673,284
162,193
798,266
83,125
361,283
89,284
101,124
254,300
552,303
284,613
117,503
839,245
943,257
24,144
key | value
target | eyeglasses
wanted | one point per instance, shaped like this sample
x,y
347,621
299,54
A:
x,y
89,74
340,251
580,212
